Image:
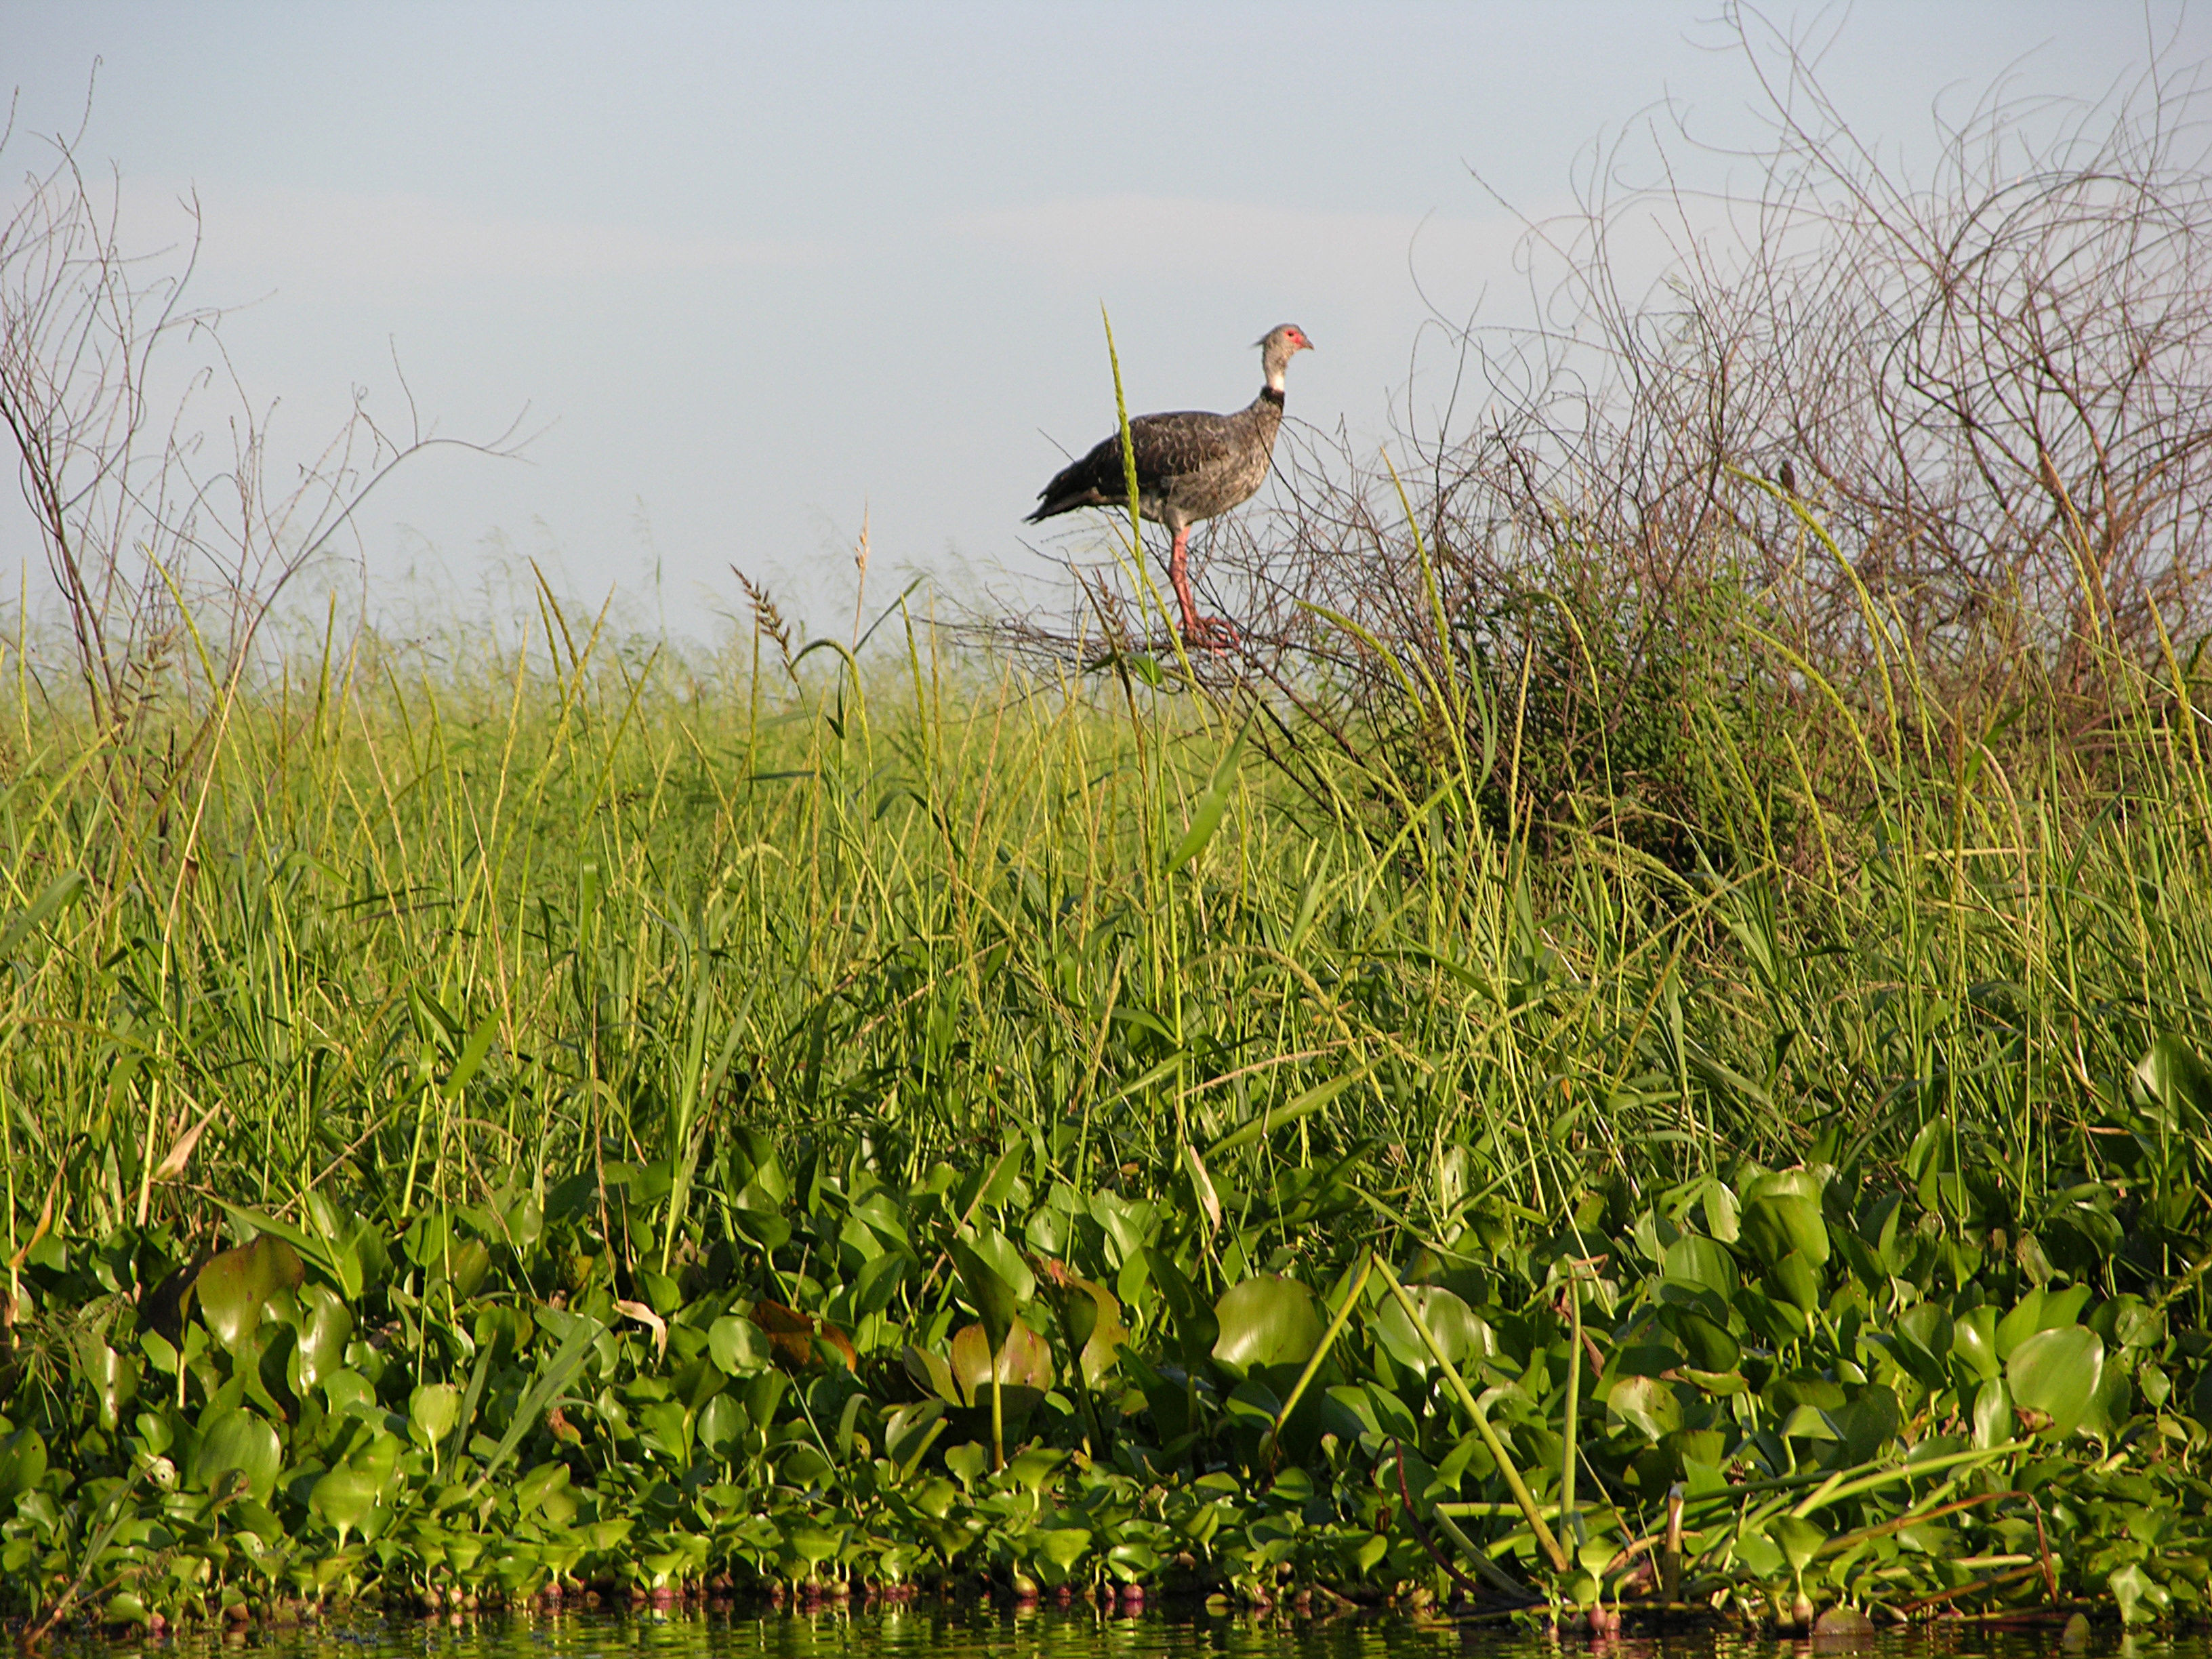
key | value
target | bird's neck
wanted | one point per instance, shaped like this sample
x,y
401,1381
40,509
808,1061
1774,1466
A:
x,y
1273,391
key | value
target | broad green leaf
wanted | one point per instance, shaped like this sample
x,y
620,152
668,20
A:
x,y
1108,1333
342,1499
504,1333
1090,1319
935,1495
23,1462
932,1372
907,1428
349,1392
2141,1598
1723,1216
992,1298
1196,1328
1974,1343
764,1228
1924,1343
541,1488
968,1460
325,1326
2024,1319
1868,1423
879,1281
1777,1319
1807,1184
810,1543
1757,1551
2135,1325
1800,1538
1701,1264
113,1377
739,1348
1993,1422
1711,1347
1074,1306
238,1440
233,1286
1127,1226
2041,1310
1722,1383
1132,1562
432,1411
997,1250
464,1268
2056,1373
1064,1546
664,1425
997,1184
1267,1320
1808,1423
1023,1360
2109,1407
1644,1404
2175,1077
1036,1468
1458,1329
721,1421
1796,1280
1776,1225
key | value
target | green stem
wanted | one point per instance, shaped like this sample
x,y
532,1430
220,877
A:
x,y
998,1415
1321,1353
1569,1521
1521,1496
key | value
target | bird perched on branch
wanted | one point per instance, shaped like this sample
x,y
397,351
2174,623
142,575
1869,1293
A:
x,y
1190,466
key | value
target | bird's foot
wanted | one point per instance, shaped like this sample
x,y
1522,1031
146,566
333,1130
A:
x,y
1214,634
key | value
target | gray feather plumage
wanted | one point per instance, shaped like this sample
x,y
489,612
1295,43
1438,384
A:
x,y
1190,464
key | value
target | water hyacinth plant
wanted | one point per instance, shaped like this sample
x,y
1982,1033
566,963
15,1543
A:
x,y
1637,1050
564,1133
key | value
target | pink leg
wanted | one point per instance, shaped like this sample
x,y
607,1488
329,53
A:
x,y
1208,631
1193,626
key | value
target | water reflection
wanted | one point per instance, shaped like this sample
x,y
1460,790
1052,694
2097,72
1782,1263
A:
x,y
929,1631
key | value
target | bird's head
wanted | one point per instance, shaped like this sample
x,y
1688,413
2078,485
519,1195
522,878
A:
x,y
1277,347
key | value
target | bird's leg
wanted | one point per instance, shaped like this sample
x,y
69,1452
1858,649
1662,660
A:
x,y
1198,630
1193,625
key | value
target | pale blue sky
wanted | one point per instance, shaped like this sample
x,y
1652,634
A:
x,y
760,265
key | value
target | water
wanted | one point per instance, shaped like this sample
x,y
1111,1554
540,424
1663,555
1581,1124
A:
x,y
933,1631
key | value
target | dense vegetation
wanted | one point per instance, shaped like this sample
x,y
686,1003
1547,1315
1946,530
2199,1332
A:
x,y
618,1121
1639,1045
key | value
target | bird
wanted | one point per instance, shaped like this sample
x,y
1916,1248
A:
x,y
1190,466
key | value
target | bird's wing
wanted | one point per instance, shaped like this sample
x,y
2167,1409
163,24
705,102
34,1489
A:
x,y
1173,445
1093,479
1168,447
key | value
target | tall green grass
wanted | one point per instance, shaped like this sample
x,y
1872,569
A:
x,y
412,930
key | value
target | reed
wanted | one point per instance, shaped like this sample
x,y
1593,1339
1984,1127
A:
x,y
615,1066
935,902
